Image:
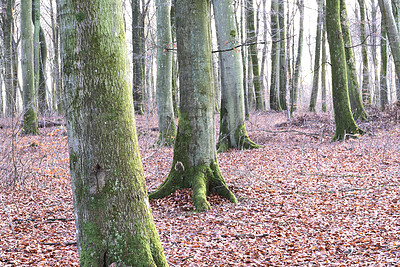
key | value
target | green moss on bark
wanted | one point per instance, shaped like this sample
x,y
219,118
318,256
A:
x,y
30,126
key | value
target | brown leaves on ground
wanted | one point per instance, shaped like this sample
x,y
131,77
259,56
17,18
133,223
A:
x,y
302,199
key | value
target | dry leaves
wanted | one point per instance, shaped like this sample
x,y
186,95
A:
x,y
302,199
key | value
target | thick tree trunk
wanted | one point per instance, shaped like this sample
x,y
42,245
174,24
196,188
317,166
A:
x,y
357,105
253,53
297,67
138,45
274,86
393,34
30,123
195,159
165,109
314,91
113,217
282,56
344,121
233,132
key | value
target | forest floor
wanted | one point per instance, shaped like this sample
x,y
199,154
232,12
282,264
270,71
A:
x,y
302,199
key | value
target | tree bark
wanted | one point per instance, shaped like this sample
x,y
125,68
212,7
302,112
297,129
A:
x,y
323,65
384,100
195,162
165,109
317,54
233,133
357,105
344,120
30,122
112,212
366,90
275,50
297,67
42,90
282,56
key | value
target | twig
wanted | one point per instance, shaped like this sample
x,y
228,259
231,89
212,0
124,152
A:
x,y
288,131
246,235
58,243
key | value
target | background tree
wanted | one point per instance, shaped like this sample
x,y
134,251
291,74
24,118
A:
x,y
195,159
30,123
344,120
165,109
366,92
233,131
113,218
275,50
384,62
283,70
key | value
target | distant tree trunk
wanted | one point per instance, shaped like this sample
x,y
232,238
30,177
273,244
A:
x,y
318,39
112,213
264,50
282,56
138,46
36,46
393,35
384,62
344,121
274,85
297,66
30,123
323,65
354,87
233,133
253,53
195,159
175,89
165,109
42,92
374,37
245,60
8,31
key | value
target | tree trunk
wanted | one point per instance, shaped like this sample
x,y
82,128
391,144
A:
x,y
253,53
366,91
297,67
393,34
263,78
344,121
165,109
42,92
138,44
323,64
282,56
314,92
30,123
57,78
112,213
195,159
354,88
36,45
274,86
233,133
384,62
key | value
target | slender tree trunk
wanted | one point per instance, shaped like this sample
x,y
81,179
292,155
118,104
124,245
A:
x,y
233,133
318,39
344,121
195,159
297,67
42,92
274,86
253,53
138,57
36,46
354,88
57,78
393,35
374,38
112,213
244,60
366,91
30,123
384,62
323,65
175,89
282,56
165,109
264,50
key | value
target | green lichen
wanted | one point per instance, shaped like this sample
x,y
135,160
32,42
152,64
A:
x,y
80,16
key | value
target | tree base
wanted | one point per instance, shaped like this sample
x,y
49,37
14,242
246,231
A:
x,y
242,140
203,179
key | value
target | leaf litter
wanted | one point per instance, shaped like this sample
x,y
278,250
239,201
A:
x,y
302,199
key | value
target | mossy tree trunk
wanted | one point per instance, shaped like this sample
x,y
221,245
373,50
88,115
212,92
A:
x,y
283,70
112,213
165,109
393,34
138,46
195,159
253,53
356,102
36,45
8,32
42,90
275,50
29,125
233,132
318,39
297,67
344,120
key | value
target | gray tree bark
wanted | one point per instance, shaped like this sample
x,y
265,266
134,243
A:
x,y
297,67
275,50
113,219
